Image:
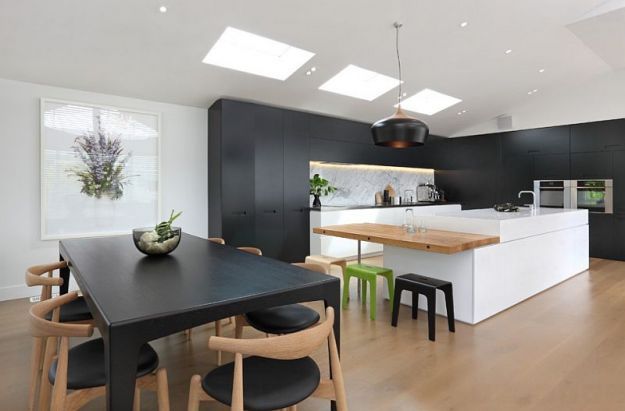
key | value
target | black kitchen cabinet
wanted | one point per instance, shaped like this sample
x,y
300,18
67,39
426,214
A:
x,y
547,140
516,174
618,175
591,165
296,129
601,235
237,174
268,180
598,136
552,166
618,239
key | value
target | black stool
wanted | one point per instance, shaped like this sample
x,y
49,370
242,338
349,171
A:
x,y
427,286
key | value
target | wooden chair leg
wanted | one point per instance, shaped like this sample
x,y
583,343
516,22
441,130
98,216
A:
x,y
45,390
218,334
136,405
34,371
239,323
188,333
194,393
162,389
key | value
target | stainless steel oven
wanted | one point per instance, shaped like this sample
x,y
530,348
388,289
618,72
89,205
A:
x,y
596,196
553,193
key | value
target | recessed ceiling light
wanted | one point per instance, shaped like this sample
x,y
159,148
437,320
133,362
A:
x,y
508,51
464,24
541,70
357,82
313,69
532,91
429,102
242,51
162,9
308,73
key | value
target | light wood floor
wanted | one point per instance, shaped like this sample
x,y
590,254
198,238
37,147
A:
x,y
561,350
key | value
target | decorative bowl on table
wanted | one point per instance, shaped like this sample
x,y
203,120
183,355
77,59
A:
x,y
148,240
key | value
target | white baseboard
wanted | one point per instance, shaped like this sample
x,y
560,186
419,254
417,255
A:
x,y
14,292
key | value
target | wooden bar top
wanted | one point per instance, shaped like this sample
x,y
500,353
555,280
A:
x,y
436,241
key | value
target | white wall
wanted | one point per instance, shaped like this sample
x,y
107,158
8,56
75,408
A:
x,y
601,98
184,180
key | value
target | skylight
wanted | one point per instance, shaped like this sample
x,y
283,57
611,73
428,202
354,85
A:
x,y
242,51
429,102
357,82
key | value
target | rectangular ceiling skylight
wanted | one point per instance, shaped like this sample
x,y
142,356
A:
x,y
428,102
360,83
242,51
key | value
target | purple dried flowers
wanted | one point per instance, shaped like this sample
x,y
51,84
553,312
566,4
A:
x,y
102,171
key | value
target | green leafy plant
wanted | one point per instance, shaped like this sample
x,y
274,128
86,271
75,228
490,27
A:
x,y
164,229
103,163
320,186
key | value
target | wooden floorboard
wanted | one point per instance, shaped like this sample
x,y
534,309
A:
x,y
561,350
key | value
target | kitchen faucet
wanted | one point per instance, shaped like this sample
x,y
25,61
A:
x,y
533,206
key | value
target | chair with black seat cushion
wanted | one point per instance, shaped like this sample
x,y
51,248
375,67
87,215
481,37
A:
x,y
427,286
279,373
284,319
81,368
75,311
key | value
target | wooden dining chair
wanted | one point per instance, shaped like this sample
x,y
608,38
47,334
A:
x,y
76,311
251,250
216,240
284,319
278,375
81,368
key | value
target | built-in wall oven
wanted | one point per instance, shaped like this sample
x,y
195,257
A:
x,y
596,196
553,193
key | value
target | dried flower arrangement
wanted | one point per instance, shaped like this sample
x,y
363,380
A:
x,y
103,158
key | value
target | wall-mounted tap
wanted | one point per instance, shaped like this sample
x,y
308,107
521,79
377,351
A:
x,y
533,206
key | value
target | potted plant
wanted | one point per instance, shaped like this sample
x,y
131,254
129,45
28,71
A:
x,y
320,187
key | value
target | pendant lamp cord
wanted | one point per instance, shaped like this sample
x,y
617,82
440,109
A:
x,y
397,27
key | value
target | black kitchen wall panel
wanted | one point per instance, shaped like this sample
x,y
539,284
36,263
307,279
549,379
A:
x,y
591,165
598,136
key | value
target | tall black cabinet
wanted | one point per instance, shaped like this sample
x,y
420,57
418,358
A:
x,y
252,201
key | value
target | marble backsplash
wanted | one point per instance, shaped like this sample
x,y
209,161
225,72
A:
x,y
357,183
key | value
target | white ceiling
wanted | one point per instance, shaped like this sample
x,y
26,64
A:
x,y
128,48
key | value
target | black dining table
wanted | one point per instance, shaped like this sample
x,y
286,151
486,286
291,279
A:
x,y
136,298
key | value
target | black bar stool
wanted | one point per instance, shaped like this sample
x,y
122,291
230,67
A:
x,y
427,286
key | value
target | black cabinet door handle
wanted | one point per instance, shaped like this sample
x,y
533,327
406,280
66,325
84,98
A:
x,y
239,212
270,211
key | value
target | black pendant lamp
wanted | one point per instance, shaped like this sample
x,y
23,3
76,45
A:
x,y
399,130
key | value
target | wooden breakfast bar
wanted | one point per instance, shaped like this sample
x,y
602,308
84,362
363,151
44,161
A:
x,y
435,241
494,260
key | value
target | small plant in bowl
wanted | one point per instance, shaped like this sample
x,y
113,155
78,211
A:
x,y
320,187
160,240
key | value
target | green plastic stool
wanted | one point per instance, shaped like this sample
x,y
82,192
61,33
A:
x,y
367,274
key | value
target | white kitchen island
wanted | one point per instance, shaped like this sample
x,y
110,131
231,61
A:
x,y
536,251
531,252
